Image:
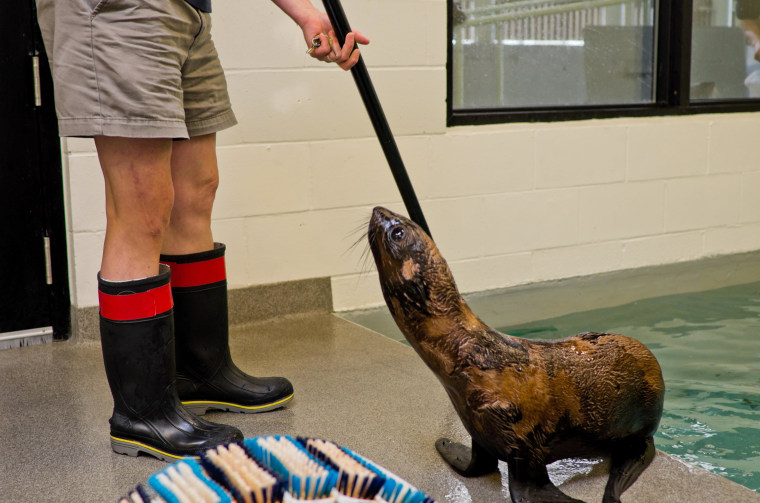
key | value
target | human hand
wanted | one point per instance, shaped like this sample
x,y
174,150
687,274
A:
x,y
324,46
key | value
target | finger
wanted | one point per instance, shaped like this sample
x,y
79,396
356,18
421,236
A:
x,y
359,38
332,55
334,44
348,47
324,55
347,65
326,47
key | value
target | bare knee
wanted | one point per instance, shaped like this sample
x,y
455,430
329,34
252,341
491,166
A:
x,y
195,177
153,217
194,198
141,210
139,191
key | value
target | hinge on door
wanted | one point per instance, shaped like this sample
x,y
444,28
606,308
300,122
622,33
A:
x,y
48,263
36,80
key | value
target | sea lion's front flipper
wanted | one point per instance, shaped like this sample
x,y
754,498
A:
x,y
627,463
470,462
529,483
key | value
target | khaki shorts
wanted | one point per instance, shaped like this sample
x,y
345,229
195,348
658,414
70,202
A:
x,y
134,68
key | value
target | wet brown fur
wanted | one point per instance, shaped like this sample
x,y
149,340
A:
x,y
537,400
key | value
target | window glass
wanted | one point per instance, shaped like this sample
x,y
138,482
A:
x,y
530,53
725,47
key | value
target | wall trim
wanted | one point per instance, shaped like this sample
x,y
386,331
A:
x,y
246,305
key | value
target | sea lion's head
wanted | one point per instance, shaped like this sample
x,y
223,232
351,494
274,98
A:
x,y
415,279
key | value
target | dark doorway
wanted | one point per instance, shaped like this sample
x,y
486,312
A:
x,y
34,290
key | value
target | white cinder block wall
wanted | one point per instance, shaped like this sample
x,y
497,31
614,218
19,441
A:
x,y
507,204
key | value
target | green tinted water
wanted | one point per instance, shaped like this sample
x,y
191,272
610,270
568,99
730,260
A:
x,y
708,345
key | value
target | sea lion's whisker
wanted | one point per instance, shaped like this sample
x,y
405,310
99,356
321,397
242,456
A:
x,y
365,258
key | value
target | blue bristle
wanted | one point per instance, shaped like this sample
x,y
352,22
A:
x,y
162,490
297,485
392,487
169,496
278,488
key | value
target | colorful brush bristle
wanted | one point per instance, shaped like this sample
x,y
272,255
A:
x,y
306,476
275,469
394,489
355,478
138,495
185,482
245,478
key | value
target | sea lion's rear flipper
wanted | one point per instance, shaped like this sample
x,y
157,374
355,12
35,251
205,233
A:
x,y
470,462
627,463
529,483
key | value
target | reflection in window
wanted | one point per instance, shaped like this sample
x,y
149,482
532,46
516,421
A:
x,y
531,53
725,47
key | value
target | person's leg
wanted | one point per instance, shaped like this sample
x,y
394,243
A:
x,y
136,308
195,177
139,196
207,378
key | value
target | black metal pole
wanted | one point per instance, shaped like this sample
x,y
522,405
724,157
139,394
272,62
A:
x,y
379,122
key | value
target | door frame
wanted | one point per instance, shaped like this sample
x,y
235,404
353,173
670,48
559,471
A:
x,y
43,145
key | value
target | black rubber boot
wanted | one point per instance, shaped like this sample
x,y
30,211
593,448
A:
x,y
137,336
207,378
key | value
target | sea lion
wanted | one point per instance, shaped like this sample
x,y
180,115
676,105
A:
x,y
528,403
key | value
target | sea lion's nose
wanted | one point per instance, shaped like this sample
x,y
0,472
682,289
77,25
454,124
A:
x,y
380,215
378,212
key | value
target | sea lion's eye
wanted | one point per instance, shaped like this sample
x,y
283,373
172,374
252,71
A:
x,y
398,233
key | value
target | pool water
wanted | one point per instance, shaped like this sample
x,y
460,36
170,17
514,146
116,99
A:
x,y
708,345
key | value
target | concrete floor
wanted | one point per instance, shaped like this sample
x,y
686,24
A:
x,y
353,386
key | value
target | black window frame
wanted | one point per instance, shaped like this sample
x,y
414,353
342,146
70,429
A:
x,y
672,75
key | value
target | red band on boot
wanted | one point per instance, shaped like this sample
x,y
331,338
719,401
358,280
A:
x,y
197,273
136,306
